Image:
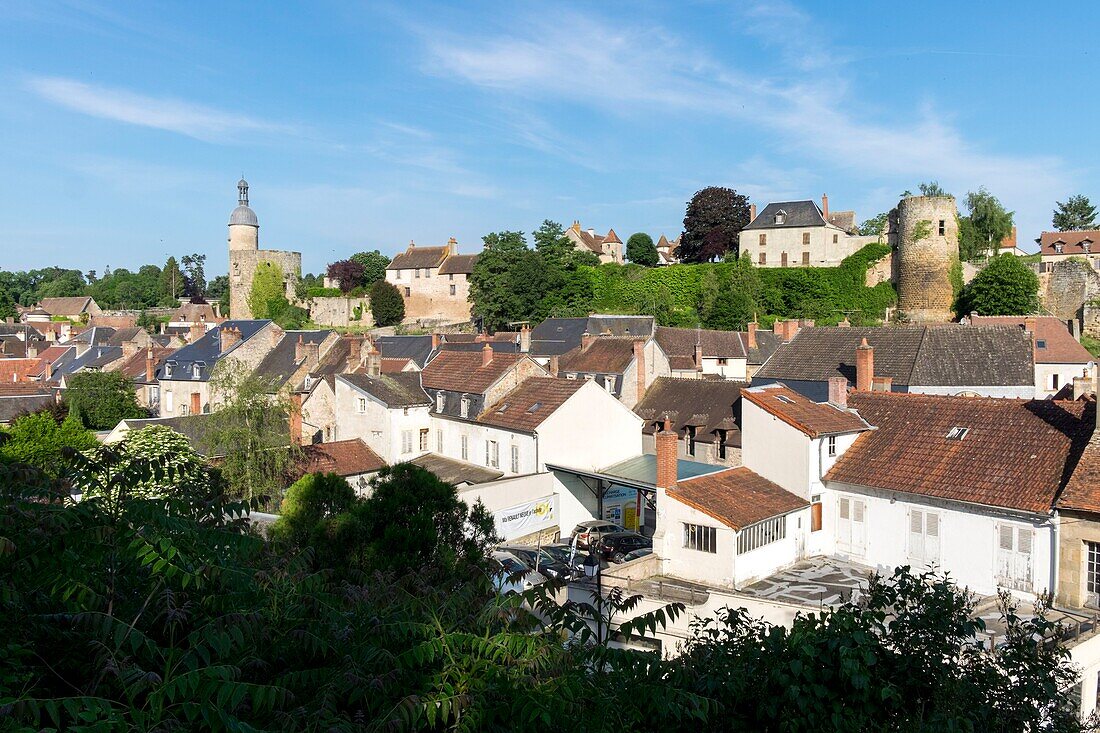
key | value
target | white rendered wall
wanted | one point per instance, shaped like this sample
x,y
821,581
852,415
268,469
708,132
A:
x,y
379,426
1023,392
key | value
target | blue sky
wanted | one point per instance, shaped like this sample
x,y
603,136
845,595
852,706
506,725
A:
x,y
124,126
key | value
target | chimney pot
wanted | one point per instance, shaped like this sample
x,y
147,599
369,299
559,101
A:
x,y
838,392
825,207
752,211
845,323
486,354
525,338
435,341
865,366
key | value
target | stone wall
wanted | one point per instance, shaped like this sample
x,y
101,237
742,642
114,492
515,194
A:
x,y
339,312
1067,286
924,262
883,270
242,268
1074,531
434,299
1090,320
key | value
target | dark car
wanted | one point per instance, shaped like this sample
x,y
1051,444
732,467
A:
x,y
541,561
638,553
566,554
616,545
589,532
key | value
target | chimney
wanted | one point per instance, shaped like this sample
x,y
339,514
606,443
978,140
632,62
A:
x,y
865,366
486,355
525,338
163,328
129,348
300,348
49,370
666,442
591,232
452,246
838,392
195,333
1029,327
882,384
32,350
435,341
276,335
150,366
752,335
1081,384
374,362
229,336
355,352
752,211
553,366
845,323
825,207
586,340
639,359
698,357
296,418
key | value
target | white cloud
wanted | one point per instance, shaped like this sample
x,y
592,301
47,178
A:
x,y
162,113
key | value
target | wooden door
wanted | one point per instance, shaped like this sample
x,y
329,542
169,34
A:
x,y
815,516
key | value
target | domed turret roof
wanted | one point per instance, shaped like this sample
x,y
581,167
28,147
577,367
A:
x,y
243,215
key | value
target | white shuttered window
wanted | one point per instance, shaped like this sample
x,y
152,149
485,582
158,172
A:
x,y
924,538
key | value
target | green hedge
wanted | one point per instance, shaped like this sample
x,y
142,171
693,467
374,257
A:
x,y
324,293
822,293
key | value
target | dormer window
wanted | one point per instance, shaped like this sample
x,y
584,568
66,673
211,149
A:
x,y
780,216
440,401
1086,244
1058,248
464,407
196,371
168,370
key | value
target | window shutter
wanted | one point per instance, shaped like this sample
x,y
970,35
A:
x,y
843,508
857,511
932,525
1006,537
916,521
1023,541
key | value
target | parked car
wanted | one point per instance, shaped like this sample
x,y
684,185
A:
x,y
513,576
565,553
541,561
637,553
588,533
616,545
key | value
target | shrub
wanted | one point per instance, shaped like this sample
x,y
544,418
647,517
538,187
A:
x,y
386,304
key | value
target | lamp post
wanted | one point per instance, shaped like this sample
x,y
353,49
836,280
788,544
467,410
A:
x,y
592,570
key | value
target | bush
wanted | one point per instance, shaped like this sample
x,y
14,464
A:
x,y
1004,287
386,304
102,400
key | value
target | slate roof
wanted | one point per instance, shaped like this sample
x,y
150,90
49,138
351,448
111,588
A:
x,y
798,214
280,363
707,404
736,497
207,351
462,371
948,355
1016,454
528,405
499,347
96,357
417,348
122,335
342,457
418,257
134,365
1082,491
458,265
392,390
594,242
13,405
556,336
1054,343
1072,242
70,306
605,355
812,418
454,471
681,342
94,336
766,344
26,330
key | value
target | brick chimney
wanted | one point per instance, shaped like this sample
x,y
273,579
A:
x,y
195,333
276,335
150,366
553,366
1082,384
355,352
666,442
308,352
486,354
296,418
825,207
752,211
639,360
882,384
1029,327
865,366
525,338
49,370
845,323
698,357
586,340
436,340
229,336
838,392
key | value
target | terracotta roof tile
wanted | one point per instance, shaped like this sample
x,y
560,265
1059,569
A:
x,y
343,457
462,371
716,344
133,366
19,370
1082,491
612,237
812,418
528,405
605,355
1072,242
736,497
71,306
1015,453
418,257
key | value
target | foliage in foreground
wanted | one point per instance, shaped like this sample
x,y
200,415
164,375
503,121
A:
x,y
134,611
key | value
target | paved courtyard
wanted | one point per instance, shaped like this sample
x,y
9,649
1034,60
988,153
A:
x,y
819,581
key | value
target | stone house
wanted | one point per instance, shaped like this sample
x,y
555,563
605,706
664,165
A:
x,y
1078,512
800,234
141,367
434,281
1055,247
667,251
625,367
704,413
388,412
608,247
76,308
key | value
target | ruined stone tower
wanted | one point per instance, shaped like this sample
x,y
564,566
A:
x,y
926,234
245,254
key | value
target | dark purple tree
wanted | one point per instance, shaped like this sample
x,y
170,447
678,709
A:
x,y
349,272
714,219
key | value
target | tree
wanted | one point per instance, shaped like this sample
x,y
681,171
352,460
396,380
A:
x,y
496,301
62,284
171,283
1004,287
932,188
640,250
387,306
1075,214
267,286
39,440
218,288
7,305
176,466
989,223
374,266
309,509
349,274
195,279
102,399
709,288
875,226
714,220
657,303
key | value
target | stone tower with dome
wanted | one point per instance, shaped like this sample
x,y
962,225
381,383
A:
x,y
245,255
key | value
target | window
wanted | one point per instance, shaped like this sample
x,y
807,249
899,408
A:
x,y
450,276
784,259
453,290
1057,249
427,272
1054,382
418,273
440,401
515,459
423,439
691,439
760,534
763,259
942,227
851,525
167,371
780,216
464,406
1092,572
408,291
700,537
805,239
721,443
492,453
609,383
763,239
196,371
362,404
406,441
465,448
836,238
168,405
439,441
1040,344
832,445
805,259
722,361
957,433
924,537
154,393
1014,556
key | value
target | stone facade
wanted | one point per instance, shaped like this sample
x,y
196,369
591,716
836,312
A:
x,y
245,255
925,258
1074,530
608,247
435,283
340,312
1065,287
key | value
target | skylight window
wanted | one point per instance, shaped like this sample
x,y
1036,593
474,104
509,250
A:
x,y
1040,344
957,433
503,408
535,407
784,399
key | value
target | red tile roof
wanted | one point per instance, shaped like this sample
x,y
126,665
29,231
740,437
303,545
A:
x,y
1015,453
14,389
418,258
343,457
1082,491
605,355
458,265
462,371
19,370
1058,344
812,418
394,366
612,237
133,366
528,405
736,497
1072,242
